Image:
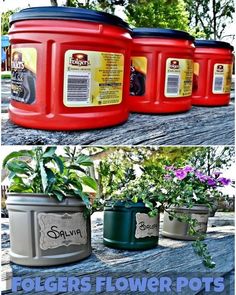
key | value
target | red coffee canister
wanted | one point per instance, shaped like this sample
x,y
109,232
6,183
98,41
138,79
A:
x,y
213,65
161,71
70,68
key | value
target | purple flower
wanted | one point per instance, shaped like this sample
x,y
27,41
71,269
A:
x,y
211,182
202,177
188,169
180,174
169,168
224,181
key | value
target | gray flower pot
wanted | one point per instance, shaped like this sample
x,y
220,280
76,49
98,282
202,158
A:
x,y
44,232
179,230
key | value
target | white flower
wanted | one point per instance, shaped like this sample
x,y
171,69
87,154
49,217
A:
x,y
195,197
158,204
152,189
178,198
164,191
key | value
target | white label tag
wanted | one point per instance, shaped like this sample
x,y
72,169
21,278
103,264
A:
x,y
146,226
62,230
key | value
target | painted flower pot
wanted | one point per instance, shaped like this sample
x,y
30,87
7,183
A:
x,y
44,232
128,226
172,228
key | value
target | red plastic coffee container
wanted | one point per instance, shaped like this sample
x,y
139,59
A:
x,y
212,73
161,71
70,68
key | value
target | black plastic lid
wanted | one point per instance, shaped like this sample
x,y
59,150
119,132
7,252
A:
x,y
158,32
213,43
68,13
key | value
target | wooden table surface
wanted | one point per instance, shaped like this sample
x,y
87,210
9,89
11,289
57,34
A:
x,y
169,258
199,126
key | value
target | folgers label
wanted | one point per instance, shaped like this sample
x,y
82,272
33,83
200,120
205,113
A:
x,y
93,78
213,65
161,73
72,72
23,74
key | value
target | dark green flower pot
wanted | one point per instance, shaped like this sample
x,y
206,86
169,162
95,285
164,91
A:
x,y
128,226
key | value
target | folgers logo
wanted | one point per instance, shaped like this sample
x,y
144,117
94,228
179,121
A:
x,y
17,62
79,59
220,69
174,64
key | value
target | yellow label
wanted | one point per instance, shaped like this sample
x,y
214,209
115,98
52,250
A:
x,y
93,78
196,68
222,78
138,74
23,74
179,77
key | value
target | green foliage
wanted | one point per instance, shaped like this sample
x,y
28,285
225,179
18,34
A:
x,y
42,170
209,159
189,186
209,19
103,5
158,13
199,246
140,174
5,21
201,250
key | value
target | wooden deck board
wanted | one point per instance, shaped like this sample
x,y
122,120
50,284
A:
x,y
199,126
171,257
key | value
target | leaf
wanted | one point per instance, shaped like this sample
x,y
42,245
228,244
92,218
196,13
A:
x,y
44,177
60,196
22,153
51,177
84,198
84,160
76,184
20,188
19,167
17,180
148,204
135,199
76,167
59,163
49,152
89,181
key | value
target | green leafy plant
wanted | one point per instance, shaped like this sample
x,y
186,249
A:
x,y
124,177
159,186
42,170
187,187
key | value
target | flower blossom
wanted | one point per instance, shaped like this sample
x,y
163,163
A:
x,y
224,181
188,169
180,174
202,177
169,168
211,181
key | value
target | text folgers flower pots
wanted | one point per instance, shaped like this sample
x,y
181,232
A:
x,y
70,68
161,71
213,65
44,232
175,229
128,226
